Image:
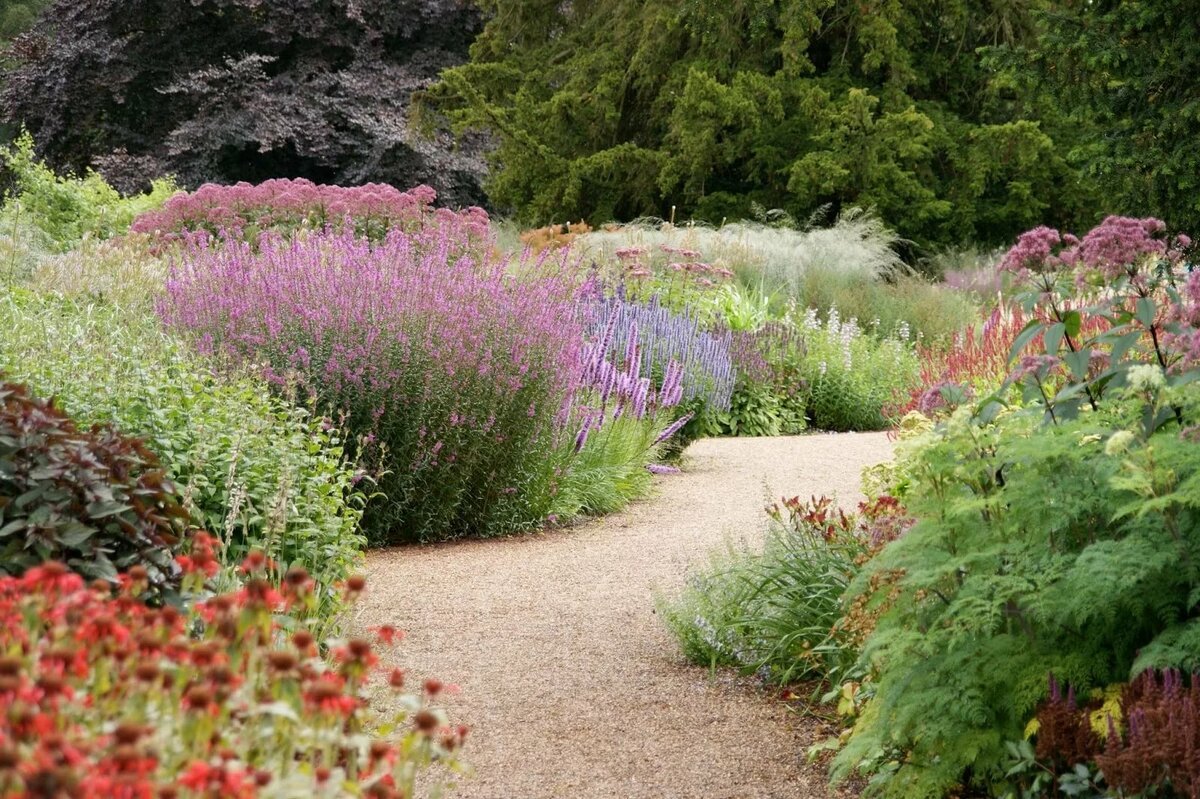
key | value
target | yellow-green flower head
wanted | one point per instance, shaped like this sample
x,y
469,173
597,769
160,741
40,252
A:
x,y
1119,442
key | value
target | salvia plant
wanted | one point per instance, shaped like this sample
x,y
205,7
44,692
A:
x,y
662,337
456,377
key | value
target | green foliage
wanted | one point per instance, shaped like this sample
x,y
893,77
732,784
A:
x,y
93,499
760,409
65,209
609,471
624,109
779,610
1128,71
253,470
853,377
1057,537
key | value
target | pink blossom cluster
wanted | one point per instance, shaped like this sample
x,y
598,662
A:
x,y
1184,338
1111,249
284,206
459,370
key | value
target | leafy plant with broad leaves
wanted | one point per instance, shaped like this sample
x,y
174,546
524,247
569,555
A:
x,y
1054,535
94,499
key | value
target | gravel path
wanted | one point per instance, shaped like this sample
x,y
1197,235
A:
x,y
570,682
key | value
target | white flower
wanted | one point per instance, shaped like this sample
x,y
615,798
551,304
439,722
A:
x,y
1145,377
1119,442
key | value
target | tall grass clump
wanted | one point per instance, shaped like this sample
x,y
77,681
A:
x,y
255,471
778,610
858,243
454,375
852,265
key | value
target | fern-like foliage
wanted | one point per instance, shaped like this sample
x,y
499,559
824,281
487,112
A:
x,y
1040,549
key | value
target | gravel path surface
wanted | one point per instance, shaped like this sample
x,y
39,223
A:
x,y
570,682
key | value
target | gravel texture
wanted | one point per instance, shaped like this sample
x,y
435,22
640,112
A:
x,y
570,682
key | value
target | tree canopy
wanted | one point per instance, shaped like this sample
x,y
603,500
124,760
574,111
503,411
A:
x,y
1131,70
227,90
617,108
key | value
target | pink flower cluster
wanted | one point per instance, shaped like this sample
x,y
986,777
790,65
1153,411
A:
x,y
459,369
284,206
1184,340
1113,247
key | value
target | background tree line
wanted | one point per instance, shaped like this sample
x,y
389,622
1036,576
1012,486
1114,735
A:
x,y
957,120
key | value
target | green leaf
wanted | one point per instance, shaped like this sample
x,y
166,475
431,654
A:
x,y
1077,362
1027,334
1053,338
1145,311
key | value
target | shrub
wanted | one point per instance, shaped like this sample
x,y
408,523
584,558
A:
x,y
66,209
1056,536
106,696
770,397
779,611
459,371
95,499
285,206
252,469
852,377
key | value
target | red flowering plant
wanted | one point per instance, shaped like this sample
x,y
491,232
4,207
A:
x,y
104,695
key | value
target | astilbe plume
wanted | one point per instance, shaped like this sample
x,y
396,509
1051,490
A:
x,y
1162,740
285,206
103,695
463,374
1064,732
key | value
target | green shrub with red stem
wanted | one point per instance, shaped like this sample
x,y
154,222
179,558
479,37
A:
x,y
103,695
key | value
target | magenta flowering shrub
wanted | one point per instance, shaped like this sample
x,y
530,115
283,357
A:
x,y
457,378
285,206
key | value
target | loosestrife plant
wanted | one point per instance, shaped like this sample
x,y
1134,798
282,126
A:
x,y
455,376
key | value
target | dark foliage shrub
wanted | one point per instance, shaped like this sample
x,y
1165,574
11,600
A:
x,y
227,90
93,499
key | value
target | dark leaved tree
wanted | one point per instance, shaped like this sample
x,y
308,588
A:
x,y
226,90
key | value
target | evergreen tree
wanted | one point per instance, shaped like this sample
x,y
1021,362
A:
x,y
619,108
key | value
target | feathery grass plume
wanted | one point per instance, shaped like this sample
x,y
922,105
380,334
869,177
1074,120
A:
x,y
857,245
